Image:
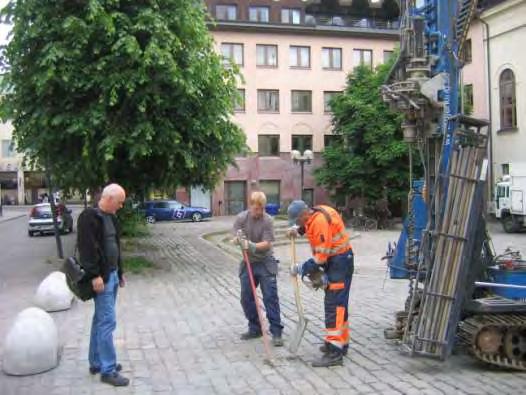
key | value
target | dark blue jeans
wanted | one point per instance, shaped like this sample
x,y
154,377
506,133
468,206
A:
x,y
101,348
269,287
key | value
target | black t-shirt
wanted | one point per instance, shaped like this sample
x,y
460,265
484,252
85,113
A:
x,y
111,247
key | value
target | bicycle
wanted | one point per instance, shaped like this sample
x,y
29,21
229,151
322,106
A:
x,y
363,223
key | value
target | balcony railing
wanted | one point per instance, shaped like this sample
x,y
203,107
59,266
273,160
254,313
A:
x,y
322,21
354,22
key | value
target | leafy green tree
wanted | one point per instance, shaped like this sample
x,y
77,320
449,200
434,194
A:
x,y
372,159
130,91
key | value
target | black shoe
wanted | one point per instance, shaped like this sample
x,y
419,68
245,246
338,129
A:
x,y
94,370
333,358
115,379
277,341
325,349
250,335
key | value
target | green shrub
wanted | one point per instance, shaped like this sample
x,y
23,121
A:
x,y
132,222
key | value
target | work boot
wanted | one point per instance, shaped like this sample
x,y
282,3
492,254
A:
x,y
250,335
95,370
325,348
115,379
277,341
332,358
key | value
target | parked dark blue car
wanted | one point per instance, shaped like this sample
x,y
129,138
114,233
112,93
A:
x,y
172,210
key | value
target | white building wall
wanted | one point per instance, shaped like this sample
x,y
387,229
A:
x,y
507,40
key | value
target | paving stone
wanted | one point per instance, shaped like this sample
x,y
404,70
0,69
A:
x,y
178,332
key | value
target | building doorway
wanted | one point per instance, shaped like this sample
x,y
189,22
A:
x,y
308,196
235,197
200,197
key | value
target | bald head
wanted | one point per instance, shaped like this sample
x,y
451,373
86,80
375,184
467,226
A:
x,y
112,199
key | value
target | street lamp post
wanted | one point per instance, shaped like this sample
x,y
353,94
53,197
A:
x,y
306,157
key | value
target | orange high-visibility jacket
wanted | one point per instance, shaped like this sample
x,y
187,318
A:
x,y
326,233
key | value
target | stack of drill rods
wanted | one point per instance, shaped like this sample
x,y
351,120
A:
x,y
449,251
425,254
458,246
445,246
452,249
429,307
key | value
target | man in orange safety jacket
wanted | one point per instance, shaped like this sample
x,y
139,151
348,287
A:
x,y
330,268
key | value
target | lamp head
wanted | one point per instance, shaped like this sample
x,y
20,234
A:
x,y
308,154
295,154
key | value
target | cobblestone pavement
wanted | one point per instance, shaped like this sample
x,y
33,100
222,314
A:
x,y
178,332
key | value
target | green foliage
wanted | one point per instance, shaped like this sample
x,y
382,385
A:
x,y
132,222
136,264
467,98
372,155
119,90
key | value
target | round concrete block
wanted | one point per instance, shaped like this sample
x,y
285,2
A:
x,y
31,345
53,293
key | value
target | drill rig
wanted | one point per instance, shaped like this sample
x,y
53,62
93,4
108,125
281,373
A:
x,y
453,257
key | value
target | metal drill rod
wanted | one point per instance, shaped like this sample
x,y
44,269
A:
x,y
430,304
498,285
462,228
449,223
452,247
458,205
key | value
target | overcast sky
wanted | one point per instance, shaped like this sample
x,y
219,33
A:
x,y
4,29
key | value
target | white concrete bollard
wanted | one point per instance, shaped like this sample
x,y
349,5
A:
x,y
31,345
53,293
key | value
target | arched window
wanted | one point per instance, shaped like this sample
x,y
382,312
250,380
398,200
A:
x,y
508,113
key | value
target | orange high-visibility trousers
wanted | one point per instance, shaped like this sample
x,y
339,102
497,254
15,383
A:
x,y
339,271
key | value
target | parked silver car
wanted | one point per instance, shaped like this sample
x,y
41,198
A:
x,y
41,220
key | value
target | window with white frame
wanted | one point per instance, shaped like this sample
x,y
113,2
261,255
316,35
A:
x,y
239,101
226,12
268,100
271,189
259,14
7,149
301,101
232,52
267,55
299,56
363,57
331,58
268,144
291,16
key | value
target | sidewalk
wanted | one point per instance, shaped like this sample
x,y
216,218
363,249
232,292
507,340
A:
x,y
9,214
178,333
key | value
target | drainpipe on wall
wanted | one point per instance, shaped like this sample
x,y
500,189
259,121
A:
x,y
490,109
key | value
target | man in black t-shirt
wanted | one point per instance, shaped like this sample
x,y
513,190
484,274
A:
x,y
99,252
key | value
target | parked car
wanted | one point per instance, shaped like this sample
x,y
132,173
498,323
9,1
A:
x,y
172,210
41,220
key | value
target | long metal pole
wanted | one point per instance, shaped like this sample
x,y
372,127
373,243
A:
x,y
54,216
498,285
302,164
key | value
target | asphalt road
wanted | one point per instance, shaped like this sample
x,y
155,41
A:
x,y
24,262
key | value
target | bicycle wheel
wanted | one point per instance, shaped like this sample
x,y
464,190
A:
x,y
370,224
355,222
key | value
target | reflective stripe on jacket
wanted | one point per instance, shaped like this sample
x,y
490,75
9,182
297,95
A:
x,y
327,236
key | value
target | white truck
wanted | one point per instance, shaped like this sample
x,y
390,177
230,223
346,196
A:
x,y
510,193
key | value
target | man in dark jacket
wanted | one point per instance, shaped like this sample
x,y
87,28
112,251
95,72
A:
x,y
99,252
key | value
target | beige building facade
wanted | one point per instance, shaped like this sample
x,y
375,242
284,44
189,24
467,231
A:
x,y
18,185
290,71
11,171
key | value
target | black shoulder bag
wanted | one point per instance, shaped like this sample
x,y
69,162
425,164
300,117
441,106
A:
x,y
76,278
